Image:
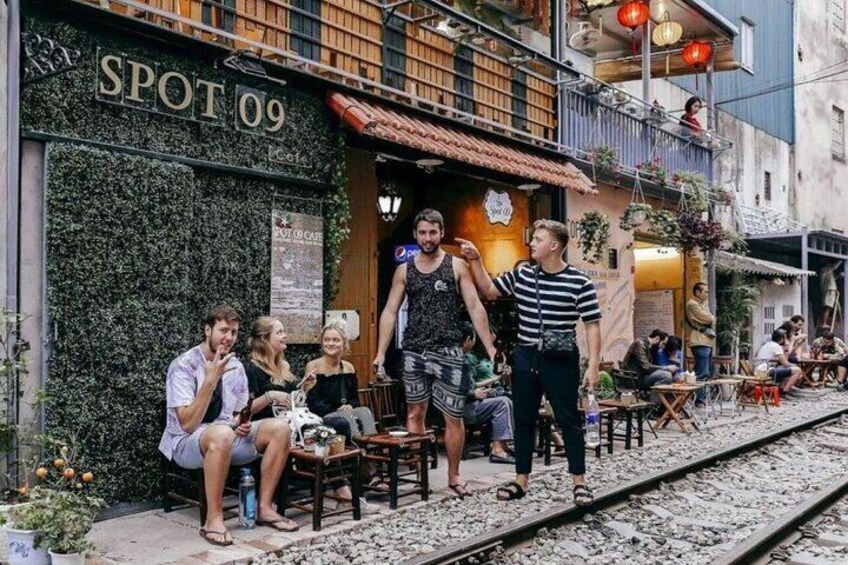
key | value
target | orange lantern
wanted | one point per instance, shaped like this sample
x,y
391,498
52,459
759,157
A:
x,y
632,15
697,53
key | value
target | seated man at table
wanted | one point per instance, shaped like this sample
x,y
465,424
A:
x,y
206,390
829,347
638,360
786,374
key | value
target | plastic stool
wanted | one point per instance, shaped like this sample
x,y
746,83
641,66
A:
x,y
770,391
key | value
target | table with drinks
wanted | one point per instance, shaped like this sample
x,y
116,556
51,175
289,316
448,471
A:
x,y
810,366
674,399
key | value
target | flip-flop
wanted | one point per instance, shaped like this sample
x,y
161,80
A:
x,y
204,533
513,491
379,484
273,524
461,489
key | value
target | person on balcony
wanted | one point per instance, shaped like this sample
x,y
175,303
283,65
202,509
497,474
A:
x,y
690,117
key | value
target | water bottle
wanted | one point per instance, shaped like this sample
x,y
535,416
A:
x,y
247,500
593,423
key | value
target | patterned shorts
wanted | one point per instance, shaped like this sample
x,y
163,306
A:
x,y
442,373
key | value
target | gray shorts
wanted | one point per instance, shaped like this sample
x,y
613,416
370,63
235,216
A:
x,y
188,456
442,374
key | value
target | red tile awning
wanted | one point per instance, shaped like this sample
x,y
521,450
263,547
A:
x,y
382,122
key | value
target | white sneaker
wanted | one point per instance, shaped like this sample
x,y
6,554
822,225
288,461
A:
x,y
367,508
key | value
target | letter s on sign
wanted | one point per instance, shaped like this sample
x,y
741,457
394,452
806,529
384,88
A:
x,y
113,76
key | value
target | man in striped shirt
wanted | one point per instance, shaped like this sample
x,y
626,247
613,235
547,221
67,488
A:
x,y
550,296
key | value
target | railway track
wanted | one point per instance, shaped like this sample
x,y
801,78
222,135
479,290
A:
x,y
743,504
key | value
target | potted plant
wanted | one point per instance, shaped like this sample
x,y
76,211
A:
x,y
665,226
323,437
22,525
695,188
605,157
654,168
594,230
60,511
636,214
699,233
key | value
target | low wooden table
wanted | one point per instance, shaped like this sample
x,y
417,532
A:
x,y
323,472
626,412
546,427
674,398
394,452
808,367
747,386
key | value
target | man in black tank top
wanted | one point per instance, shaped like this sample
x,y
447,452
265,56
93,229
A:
x,y
433,361
552,296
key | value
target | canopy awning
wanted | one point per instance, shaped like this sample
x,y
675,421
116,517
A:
x,y
741,263
396,126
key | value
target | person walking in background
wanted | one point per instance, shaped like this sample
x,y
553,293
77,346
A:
x,y
701,335
436,284
551,298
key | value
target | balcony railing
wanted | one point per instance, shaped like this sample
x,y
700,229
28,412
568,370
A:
x,y
763,220
639,132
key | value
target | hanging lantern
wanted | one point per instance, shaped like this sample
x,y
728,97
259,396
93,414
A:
x,y
388,202
697,53
633,15
667,33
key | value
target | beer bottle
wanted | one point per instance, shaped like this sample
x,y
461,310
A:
x,y
244,415
500,362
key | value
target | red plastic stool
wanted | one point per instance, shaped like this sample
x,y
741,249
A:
x,y
770,391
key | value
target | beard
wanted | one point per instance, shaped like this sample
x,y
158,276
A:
x,y
429,250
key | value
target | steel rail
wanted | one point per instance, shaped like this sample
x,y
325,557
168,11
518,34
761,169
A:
x,y
508,536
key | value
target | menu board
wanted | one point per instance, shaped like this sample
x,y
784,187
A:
x,y
653,309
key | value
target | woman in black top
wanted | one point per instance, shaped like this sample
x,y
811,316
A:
x,y
335,396
269,376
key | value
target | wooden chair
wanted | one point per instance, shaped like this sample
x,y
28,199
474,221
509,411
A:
x,y
745,368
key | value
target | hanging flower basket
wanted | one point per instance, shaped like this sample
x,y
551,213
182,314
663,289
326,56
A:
x,y
699,233
636,214
605,157
594,230
665,226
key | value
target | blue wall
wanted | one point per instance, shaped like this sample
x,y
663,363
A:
x,y
773,65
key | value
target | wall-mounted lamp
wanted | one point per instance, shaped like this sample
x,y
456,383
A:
x,y
429,165
388,201
529,187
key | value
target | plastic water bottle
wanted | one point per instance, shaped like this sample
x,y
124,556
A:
x,y
247,500
593,423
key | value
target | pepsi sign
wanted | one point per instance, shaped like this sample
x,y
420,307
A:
x,y
406,253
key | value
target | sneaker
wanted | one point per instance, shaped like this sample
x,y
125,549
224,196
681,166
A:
x,y
366,508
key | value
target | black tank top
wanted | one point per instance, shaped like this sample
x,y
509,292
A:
x,y
433,308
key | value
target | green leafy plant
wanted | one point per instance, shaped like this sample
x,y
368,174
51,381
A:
x,y
737,296
13,370
594,230
654,168
697,192
665,226
605,157
636,214
734,242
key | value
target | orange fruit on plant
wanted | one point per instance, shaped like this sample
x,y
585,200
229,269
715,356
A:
x,y
69,473
59,463
87,477
41,472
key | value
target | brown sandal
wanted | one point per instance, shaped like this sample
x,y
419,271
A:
x,y
204,533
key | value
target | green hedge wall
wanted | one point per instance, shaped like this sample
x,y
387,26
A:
x,y
138,249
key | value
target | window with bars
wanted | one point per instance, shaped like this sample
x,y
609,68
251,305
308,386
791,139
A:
x,y
837,14
767,185
747,44
838,133
219,13
768,329
768,312
463,65
788,311
306,28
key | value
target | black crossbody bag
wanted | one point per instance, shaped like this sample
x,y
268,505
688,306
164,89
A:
x,y
557,344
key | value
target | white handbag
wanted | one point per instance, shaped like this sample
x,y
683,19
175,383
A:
x,y
298,416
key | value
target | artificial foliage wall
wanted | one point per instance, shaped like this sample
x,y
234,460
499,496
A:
x,y
139,249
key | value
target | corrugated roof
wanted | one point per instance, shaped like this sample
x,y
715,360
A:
x,y
403,128
741,263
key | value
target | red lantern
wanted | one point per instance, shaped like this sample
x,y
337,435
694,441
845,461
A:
x,y
697,52
632,15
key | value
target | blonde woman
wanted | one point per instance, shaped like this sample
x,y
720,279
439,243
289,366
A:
x,y
269,376
335,396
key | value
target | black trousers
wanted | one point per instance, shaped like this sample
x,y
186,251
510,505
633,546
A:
x,y
559,379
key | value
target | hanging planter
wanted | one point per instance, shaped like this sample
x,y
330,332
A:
x,y
699,233
636,214
654,168
594,230
695,189
665,226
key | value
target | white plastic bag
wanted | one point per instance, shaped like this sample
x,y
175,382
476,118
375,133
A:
x,y
298,416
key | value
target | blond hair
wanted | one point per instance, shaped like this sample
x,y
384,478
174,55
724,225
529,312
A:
x,y
261,354
557,229
338,326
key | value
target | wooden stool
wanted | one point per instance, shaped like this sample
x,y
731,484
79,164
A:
x,y
322,471
393,452
546,427
626,412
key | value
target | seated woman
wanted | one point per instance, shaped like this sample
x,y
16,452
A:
x,y
269,376
689,118
335,396
486,403
669,355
